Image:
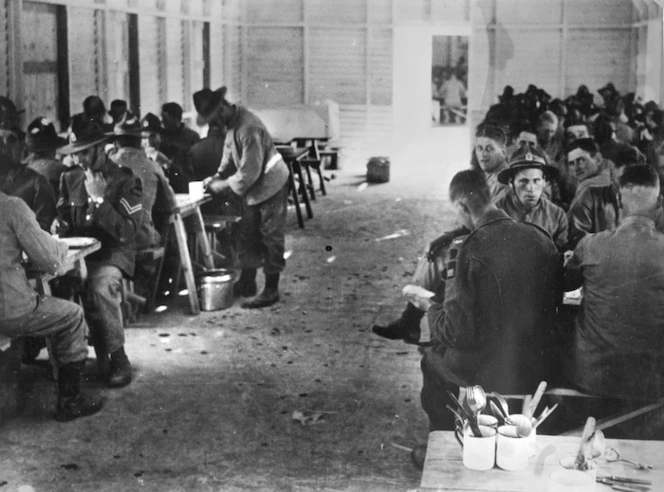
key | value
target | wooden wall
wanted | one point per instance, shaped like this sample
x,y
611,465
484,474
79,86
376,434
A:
x,y
284,52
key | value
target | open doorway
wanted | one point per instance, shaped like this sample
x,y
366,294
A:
x,y
449,80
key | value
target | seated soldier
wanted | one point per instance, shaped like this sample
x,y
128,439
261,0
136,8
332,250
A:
x,y
23,313
566,183
42,142
618,344
176,142
494,324
527,176
100,199
490,153
595,206
20,181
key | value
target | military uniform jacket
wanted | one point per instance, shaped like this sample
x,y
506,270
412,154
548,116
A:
x,y
48,167
115,222
261,172
34,189
503,284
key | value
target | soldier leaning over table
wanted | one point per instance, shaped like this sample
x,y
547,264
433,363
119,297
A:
x,y
100,199
25,314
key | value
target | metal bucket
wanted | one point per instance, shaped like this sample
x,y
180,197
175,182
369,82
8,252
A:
x,y
215,289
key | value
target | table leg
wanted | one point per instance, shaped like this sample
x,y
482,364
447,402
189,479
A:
x,y
305,195
185,262
202,239
296,200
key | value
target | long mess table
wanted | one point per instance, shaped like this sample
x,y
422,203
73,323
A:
x,y
444,470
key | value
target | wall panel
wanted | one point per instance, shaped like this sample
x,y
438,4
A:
x,y
217,47
381,66
584,12
84,56
408,11
276,64
530,12
196,63
588,64
528,57
271,12
233,62
380,11
150,59
337,65
117,55
40,79
337,12
450,11
4,48
175,60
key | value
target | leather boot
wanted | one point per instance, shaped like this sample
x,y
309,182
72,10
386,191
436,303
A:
x,y
406,328
246,284
73,404
268,296
120,374
103,365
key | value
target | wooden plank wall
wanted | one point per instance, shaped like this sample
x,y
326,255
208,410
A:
x,y
270,52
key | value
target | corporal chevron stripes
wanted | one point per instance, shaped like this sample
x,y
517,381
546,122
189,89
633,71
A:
x,y
127,206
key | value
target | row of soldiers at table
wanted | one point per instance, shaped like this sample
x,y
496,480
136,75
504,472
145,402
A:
x,y
115,191
497,288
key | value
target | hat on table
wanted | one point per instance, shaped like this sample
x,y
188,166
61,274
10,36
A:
x,y
42,137
527,157
87,135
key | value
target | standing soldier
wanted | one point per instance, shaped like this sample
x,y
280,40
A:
x,y
103,200
261,177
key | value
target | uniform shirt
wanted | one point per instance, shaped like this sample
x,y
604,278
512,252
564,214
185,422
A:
x,y
261,172
115,222
34,189
618,346
48,167
595,208
20,232
545,214
497,317
158,196
497,189
175,145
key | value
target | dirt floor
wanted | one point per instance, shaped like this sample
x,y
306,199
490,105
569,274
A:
x,y
299,396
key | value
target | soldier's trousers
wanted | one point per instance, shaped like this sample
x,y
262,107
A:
x,y
103,306
57,319
261,234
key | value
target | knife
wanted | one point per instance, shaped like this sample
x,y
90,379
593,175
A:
x,y
639,481
588,430
530,409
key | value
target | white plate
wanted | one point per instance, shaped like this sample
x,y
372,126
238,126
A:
x,y
78,242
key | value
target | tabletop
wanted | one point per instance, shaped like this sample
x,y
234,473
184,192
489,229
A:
x,y
444,470
292,154
76,254
184,203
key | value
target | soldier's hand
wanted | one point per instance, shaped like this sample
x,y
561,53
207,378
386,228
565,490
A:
x,y
217,186
95,184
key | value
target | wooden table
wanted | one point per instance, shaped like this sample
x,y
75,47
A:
x,y
291,157
73,261
190,207
444,470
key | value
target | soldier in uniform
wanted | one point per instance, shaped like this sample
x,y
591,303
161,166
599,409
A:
x,y
100,199
525,201
431,274
17,179
493,323
41,143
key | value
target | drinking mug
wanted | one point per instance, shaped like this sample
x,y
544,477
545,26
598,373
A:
x,y
512,451
479,453
196,189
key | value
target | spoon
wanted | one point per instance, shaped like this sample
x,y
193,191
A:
x,y
524,427
503,403
476,399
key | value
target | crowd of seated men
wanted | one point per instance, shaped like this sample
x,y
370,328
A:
x,y
588,178
115,180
